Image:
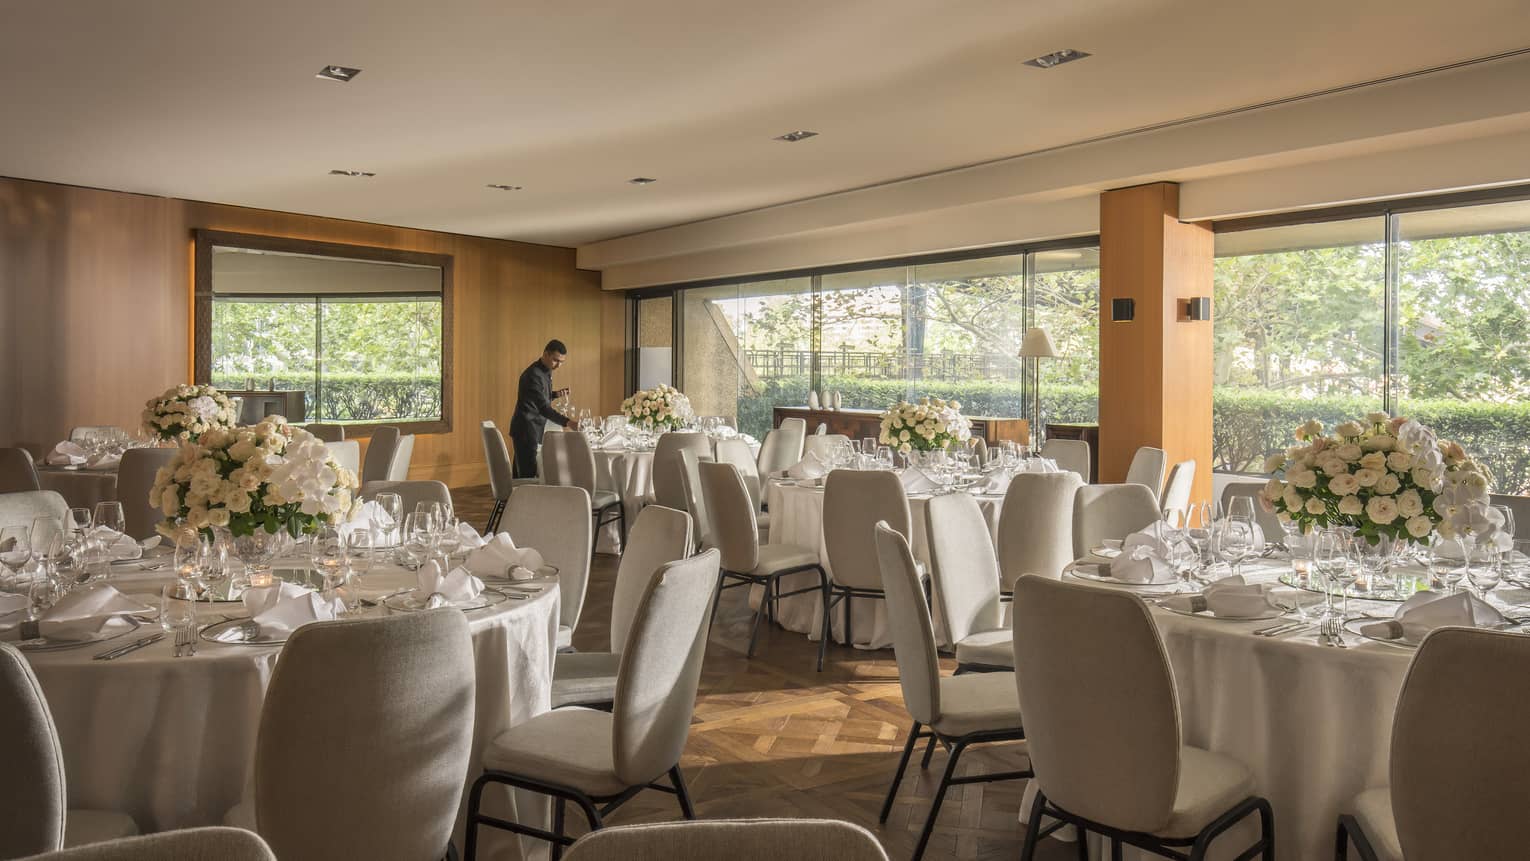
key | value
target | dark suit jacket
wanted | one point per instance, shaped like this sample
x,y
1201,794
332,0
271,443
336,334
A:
x,y
533,404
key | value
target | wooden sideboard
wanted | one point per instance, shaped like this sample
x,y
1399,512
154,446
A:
x,y
859,424
1089,433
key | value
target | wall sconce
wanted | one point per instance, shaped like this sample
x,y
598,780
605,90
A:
x,y
1123,310
1196,308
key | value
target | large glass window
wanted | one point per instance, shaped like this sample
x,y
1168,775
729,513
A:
x,y
949,329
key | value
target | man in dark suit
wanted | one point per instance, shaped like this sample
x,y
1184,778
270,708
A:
x,y
533,407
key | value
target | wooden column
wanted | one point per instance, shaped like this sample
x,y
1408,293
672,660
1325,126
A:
x,y
1155,370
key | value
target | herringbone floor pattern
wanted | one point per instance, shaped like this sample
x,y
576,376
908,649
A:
x,y
772,737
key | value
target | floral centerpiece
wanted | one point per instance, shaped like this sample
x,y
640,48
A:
x,y
184,413
928,425
268,478
1385,478
659,408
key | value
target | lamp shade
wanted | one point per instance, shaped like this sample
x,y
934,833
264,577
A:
x,y
1037,344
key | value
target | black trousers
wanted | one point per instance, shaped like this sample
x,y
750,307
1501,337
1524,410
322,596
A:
x,y
525,452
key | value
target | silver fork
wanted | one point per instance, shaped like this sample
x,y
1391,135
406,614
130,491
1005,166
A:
x,y
1333,632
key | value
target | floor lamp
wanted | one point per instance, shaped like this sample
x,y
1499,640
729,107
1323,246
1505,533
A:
x,y
1035,346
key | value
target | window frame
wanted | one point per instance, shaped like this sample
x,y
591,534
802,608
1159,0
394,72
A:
x,y
202,298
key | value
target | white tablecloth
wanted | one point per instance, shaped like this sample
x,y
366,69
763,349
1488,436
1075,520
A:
x,y
170,740
81,488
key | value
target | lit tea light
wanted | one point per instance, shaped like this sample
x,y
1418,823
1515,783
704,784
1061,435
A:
x,y
259,579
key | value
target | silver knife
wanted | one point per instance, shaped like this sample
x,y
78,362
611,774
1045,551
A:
x,y
112,654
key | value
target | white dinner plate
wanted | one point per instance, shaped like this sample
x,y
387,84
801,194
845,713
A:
x,y
242,631
1090,572
43,644
1272,613
411,601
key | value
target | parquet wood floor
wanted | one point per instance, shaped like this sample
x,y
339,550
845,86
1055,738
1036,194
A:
x,y
772,737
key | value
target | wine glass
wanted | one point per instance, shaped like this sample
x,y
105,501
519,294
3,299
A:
x,y
1330,556
80,520
884,457
330,557
359,546
1198,531
1519,564
416,540
15,549
215,566
46,529
1234,542
392,507
188,563
1444,567
109,516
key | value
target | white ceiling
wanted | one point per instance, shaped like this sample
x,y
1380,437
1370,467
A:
x,y
218,101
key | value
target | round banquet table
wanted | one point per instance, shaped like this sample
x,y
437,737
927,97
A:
x,y
629,474
1311,721
80,487
170,741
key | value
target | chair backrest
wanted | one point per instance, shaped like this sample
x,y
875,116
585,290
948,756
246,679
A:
x,y
660,669
19,509
798,426
1102,511
79,432
328,433
1085,657
853,502
581,460
410,493
1147,468
667,490
1036,525
695,499
135,478
1069,454
380,449
497,455
17,472
1459,793
1519,506
187,844
779,451
908,617
403,455
964,571
735,531
554,460
823,444
32,791
659,536
557,522
736,452
1268,522
734,839
383,704
979,447
1176,491
347,453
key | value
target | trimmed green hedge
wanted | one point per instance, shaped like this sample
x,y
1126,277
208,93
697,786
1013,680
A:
x,y
1247,425
360,397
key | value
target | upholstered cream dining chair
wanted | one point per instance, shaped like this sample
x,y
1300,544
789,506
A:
x,y
1147,467
365,738
667,490
736,452
1268,522
1086,658
326,432
411,493
659,536
19,509
501,472
378,465
189,844
135,478
1035,534
1069,454
556,521
960,711
823,445
1102,511
591,757
695,500
780,450
731,839
745,561
854,501
1460,766
32,790
964,582
347,453
1176,492
605,505
17,472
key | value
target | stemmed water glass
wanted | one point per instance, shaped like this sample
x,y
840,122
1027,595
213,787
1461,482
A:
x,y
1234,542
359,545
80,520
330,558
1443,567
15,549
392,507
417,543
109,515
215,566
1330,556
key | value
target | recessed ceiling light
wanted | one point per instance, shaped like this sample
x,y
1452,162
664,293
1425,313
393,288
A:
x,y
1056,58
343,74
793,137
642,180
502,187
351,173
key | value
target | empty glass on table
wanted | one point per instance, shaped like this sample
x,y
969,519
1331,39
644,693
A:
x,y
109,515
392,507
15,553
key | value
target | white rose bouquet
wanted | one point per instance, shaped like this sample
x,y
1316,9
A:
x,y
270,477
659,408
1383,476
928,425
184,413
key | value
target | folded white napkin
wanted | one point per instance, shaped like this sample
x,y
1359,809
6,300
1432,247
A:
x,y
86,612
1144,568
1229,597
996,482
120,546
369,516
1426,611
811,466
469,536
916,481
104,460
68,453
614,439
456,584
499,557
748,440
283,607
1148,539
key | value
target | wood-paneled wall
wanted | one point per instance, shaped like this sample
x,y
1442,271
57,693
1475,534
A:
x,y
95,313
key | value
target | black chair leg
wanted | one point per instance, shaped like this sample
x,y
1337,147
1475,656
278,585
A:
x,y
1033,828
559,829
1115,849
678,781
621,524
892,791
759,613
1082,845
849,634
940,797
470,838
828,604
717,599
929,751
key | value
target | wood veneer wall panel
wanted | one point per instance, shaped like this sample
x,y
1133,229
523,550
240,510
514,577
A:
x,y
96,307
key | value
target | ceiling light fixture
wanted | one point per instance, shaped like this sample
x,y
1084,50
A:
x,y
343,74
503,187
1056,58
351,173
793,137
642,180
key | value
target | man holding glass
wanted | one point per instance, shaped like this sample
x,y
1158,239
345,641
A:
x,y
533,407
